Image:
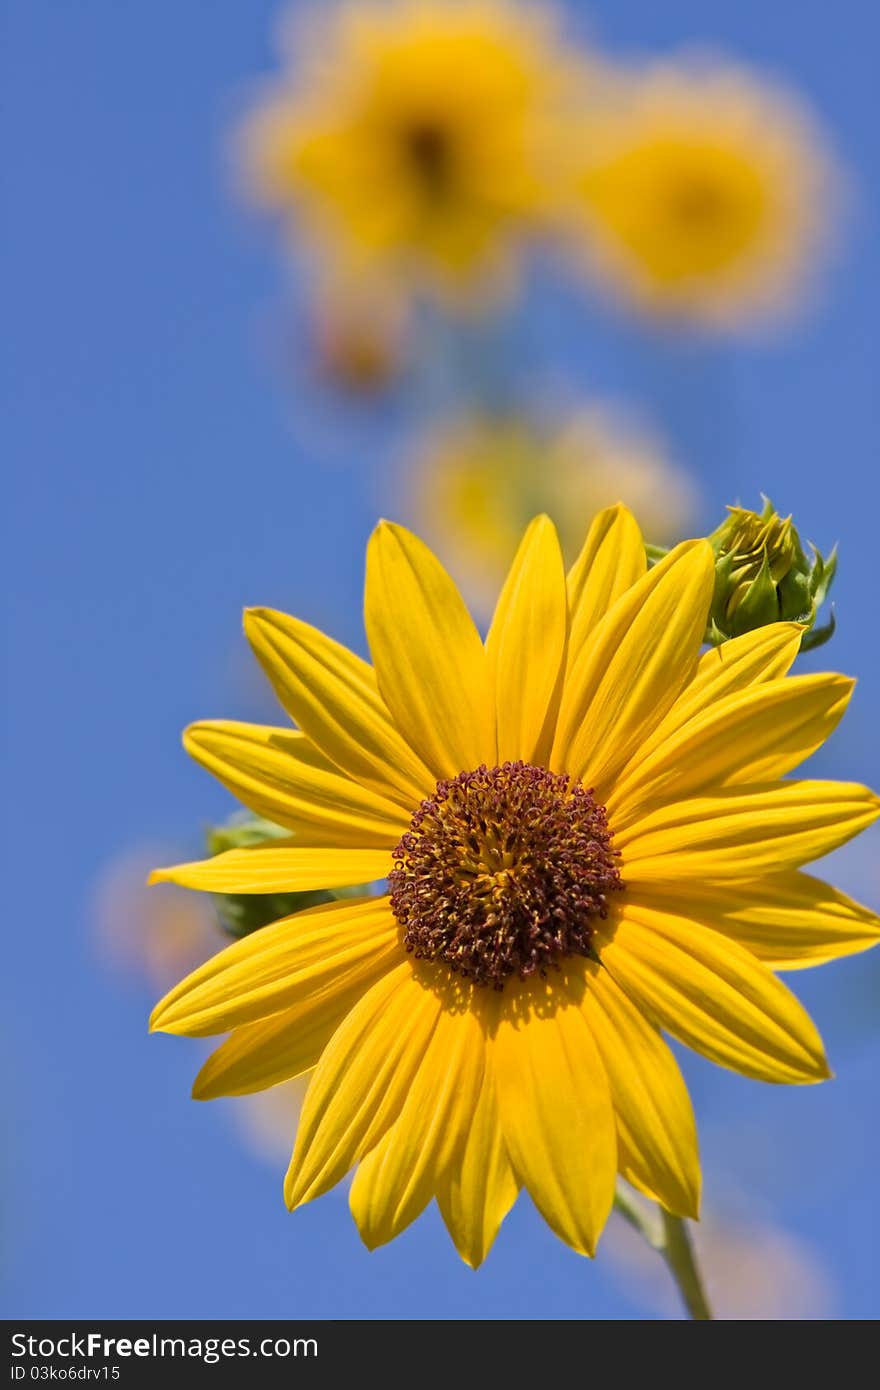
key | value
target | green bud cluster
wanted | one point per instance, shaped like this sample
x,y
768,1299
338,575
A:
x,y
763,575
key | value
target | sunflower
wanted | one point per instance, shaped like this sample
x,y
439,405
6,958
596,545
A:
x,y
703,192
585,838
416,136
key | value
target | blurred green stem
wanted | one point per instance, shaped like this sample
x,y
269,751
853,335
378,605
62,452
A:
x,y
670,1238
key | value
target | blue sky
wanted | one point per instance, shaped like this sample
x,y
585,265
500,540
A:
x,y
164,471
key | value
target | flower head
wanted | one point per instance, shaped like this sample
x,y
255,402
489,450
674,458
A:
x,y
703,193
762,575
417,136
585,835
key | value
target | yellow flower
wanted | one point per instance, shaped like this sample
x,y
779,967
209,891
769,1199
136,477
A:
x,y
703,192
586,837
471,486
416,135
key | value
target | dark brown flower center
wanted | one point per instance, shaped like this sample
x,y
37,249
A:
x,y
698,204
504,871
429,150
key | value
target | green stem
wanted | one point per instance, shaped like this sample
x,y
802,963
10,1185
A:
x,y
679,1255
669,1237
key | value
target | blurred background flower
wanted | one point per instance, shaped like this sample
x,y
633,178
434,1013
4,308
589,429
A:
x,y
705,192
151,933
471,485
359,332
420,136
753,1270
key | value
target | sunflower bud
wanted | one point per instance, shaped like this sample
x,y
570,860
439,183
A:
x,y
763,575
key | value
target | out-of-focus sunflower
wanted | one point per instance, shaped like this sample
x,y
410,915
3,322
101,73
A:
x,y
471,486
420,136
703,192
148,932
359,335
587,835
754,1270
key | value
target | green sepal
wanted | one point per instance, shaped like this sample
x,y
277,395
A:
x,y
655,553
818,636
759,605
796,603
241,914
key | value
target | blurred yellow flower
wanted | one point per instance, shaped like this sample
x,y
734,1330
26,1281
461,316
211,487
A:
x,y
142,931
472,485
416,135
703,192
359,332
267,1120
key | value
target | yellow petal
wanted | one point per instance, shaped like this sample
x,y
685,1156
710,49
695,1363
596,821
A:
x,y
398,1178
321,949
278,867
332,695
789,920
713,995
361,1083
283,776
766,654
258,1055
526,645
656,1133
476,1194
636,663
556,1112
611,561
429,660
743,834
754,735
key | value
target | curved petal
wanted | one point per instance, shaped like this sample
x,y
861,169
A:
x,y
713,995
766,654
556,1112
361,1083
744,833
612,560
789,920
755,735
278,867
475,1195
258,1055
314,952
397,1179
430,662
283,776
332,695
636,663
656,1133
525,647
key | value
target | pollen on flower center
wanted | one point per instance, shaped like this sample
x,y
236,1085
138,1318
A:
x,y
504,871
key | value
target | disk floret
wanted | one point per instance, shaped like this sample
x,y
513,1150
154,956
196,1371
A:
x,y
504,871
